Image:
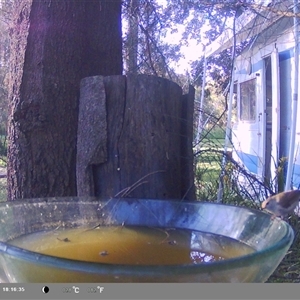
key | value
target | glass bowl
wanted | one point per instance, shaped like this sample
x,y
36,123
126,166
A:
x,y
217,228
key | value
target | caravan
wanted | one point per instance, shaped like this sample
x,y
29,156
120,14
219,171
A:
x,y
266,135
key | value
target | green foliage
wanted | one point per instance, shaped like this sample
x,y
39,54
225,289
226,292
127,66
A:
x,y
203,21
3,191
3,162
3,146
5,9
153,56
208,175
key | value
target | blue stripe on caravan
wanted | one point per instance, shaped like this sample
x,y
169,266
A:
x,y
254,68
296,176
249,160
287,54
257,66
284,55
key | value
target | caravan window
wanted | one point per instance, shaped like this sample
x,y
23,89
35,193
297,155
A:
x,y
248,100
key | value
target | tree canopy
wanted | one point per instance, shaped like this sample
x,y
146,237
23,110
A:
x,y
156,21
148,27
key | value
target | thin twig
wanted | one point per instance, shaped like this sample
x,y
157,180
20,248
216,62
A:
x,y
125,192
139,182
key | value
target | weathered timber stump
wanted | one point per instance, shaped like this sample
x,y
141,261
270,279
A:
x,y
135,138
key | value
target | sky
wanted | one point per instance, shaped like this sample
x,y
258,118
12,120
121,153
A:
x,y
193,51
190,53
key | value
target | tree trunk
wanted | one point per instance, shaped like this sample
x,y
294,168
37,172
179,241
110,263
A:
x,y
147,151
55,44
133,37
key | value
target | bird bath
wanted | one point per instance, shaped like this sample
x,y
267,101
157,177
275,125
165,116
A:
x,y
91,240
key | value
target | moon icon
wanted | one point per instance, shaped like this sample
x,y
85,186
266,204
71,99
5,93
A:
x,y
45,289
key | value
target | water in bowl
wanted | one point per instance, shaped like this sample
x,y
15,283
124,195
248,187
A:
x,y
133,245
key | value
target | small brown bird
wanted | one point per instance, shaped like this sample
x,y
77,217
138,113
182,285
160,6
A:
x,y
282,204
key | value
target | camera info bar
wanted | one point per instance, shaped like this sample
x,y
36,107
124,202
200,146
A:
x,y
148,291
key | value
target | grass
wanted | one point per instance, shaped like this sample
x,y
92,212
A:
x,y
208,168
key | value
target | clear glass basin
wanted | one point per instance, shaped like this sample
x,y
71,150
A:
x,y
209,225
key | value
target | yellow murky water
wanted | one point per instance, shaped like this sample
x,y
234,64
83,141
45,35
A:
x,y
127,245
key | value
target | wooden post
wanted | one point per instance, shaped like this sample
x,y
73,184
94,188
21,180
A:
x,y
146,140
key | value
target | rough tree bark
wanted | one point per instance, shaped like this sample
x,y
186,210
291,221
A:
x,y
92,133
54,44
